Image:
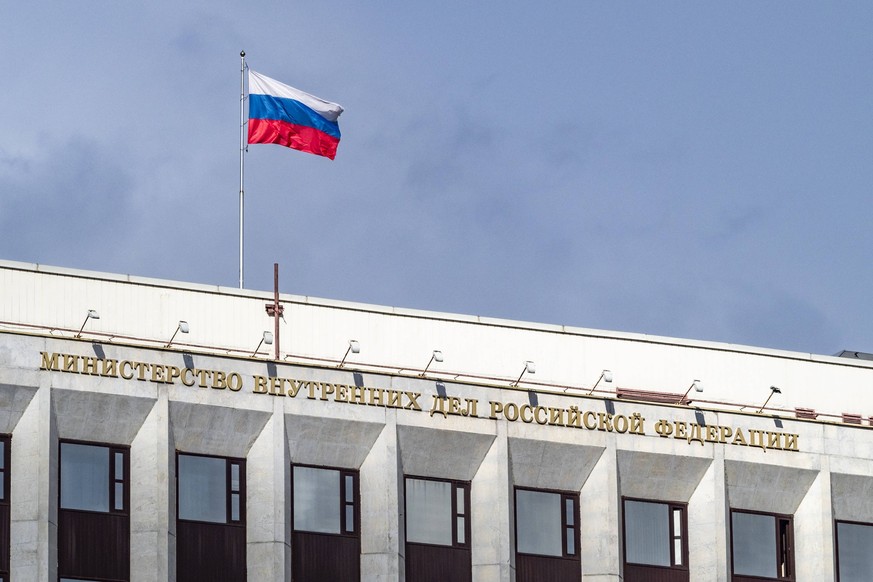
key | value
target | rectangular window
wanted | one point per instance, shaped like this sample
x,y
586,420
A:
x,y
761,545
436,512
210,524
546,535
655,542
854,544
437,530
93,516
5,510
325,519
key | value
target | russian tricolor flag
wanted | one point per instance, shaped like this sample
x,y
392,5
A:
x,y
286,116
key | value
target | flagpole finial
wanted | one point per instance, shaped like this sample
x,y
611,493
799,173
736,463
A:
x,y
242,53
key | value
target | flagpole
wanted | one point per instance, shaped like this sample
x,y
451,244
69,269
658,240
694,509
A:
x,y
242,150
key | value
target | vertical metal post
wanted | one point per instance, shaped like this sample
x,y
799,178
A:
x,y
276,303
242,150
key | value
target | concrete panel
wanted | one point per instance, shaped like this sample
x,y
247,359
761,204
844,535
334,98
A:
x,y
491,514
549,465
770,488
92,416
333,442
852,497
215,430
444,454
381,515
13,402
665,477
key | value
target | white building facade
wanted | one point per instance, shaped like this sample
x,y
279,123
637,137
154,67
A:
x,y
519,452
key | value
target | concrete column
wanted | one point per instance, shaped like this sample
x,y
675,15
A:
x,y
491,499
600,523
381,481
814,531
34,485
267,503
707,537
150,492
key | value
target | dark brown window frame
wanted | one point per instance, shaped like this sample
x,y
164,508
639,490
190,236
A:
x,y
837,539
5,481
565,496
671,507
229,492
456,485
111,480
784,547
356,503
113,449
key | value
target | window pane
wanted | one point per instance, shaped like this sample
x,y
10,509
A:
x,y
234,477
119,497
234,507
568,507
203,488
462,530
119,466
754,544
459,491
316,500
538,523
677,551
571,541
855,555
2,455
84,477
350,489
647,533
429,512
350,518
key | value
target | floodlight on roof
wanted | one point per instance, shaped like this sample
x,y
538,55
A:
x,y
437,356
354,348
698,387
183,327
90,315
266,339
773,390
529,367
606,376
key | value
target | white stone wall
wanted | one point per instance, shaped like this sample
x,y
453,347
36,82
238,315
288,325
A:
x,y
829,477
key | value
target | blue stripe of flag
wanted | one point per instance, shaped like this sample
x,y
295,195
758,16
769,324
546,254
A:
x,y
290,111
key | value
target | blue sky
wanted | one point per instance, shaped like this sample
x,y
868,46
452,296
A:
x,y
692,169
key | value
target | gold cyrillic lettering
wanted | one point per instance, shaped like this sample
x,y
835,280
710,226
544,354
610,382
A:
x,y
110,368
357,395
89,365
471,408
556,416
620,423
636,424
412,397
439,406
234,382
604,421
376,395
260,386
126,365
545,417
773,441
50,362
739,439
394,400
586,416
496,409
526,418
791,442
664,428
696,434
573,417
725,433
141,370
510,412
71,363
